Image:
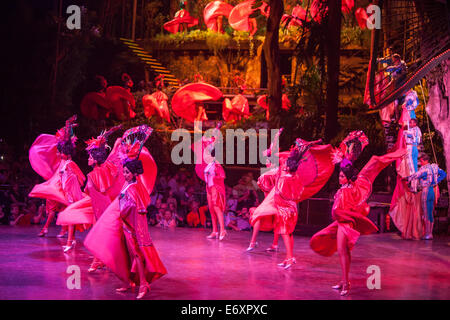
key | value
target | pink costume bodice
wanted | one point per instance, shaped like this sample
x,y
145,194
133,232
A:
x,y
133,215
71,180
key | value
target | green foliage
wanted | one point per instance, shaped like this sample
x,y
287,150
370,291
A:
x,y
355,37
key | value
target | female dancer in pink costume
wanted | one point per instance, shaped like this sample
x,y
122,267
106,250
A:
x,y
103,185
266,182
350,212
302,173
215,193
120,238
51,157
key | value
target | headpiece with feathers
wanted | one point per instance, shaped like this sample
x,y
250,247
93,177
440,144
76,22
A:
x,y
358,139
133,141
101,141
297,152
66,134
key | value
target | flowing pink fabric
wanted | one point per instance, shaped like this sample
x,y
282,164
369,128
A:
x,y
350,209
156,101
181,16
266,182
281,202
361,17
43,156
235,109
184,100
103,186
95,106
106,240
121,102
239,18
64,188
213,10
406,208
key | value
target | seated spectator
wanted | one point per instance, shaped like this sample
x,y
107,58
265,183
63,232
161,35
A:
x,y
168,220
193,217
20,217
178,217
243,220
172,200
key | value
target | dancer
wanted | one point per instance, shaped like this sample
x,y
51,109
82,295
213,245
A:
x,y
413,137
349,212
51,157
266,182
120,238
103,185
215,193
302,173
429,176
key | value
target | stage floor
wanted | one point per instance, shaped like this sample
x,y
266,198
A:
x,y
198,268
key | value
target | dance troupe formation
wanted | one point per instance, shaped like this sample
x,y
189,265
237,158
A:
x,y
117,193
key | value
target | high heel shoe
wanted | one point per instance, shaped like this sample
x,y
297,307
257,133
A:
x,y
61,235
43,233
222,235
345,289
95,265
272,248
213,235
131,286
286,264
338,286
68,248
252,246
143,290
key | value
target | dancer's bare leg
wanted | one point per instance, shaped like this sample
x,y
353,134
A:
x,y
255,232
288,243
344,256
71,234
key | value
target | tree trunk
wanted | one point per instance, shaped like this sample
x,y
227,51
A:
x,y
272,55
333,56
438,110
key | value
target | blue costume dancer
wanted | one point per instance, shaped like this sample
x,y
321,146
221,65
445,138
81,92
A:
x,y
428,176
413,137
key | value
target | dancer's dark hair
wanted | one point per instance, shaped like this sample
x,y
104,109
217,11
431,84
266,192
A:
x,y
135,166
293,160
99,154
350,172
66,148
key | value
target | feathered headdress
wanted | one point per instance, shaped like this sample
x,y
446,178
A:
x,y
133,141
344,152
101,140
66,133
